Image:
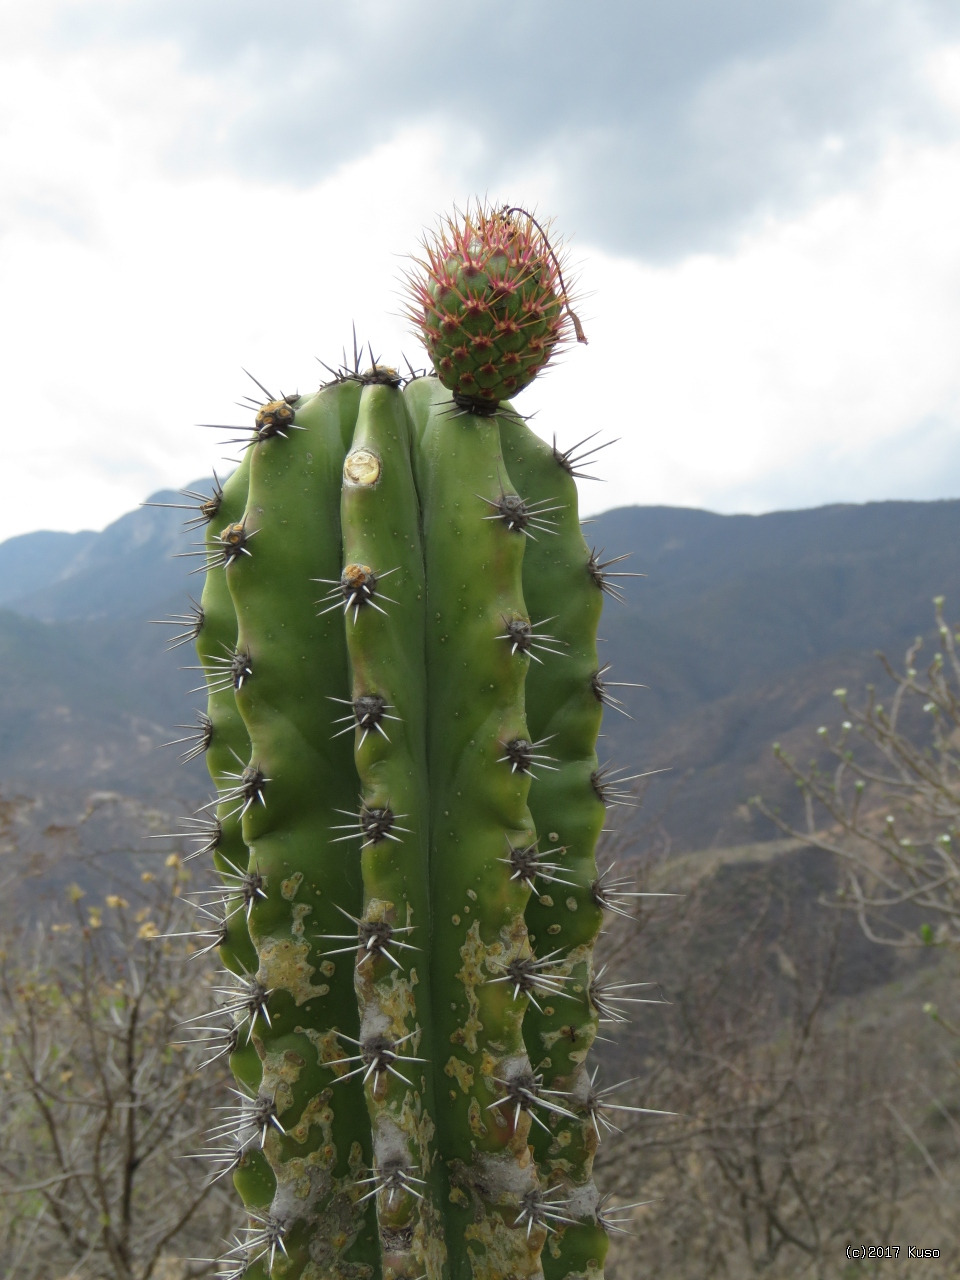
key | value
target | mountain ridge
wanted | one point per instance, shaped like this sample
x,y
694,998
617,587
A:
x,y
740,630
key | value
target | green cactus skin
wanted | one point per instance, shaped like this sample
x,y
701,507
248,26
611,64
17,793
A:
x,y
409,805
228,743
564,708
317,1138
385,644
478,803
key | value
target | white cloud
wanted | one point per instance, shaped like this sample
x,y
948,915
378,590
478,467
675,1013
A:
x,y
765,377
791,371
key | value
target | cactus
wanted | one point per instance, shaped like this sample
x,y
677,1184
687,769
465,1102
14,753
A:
x,y
398,641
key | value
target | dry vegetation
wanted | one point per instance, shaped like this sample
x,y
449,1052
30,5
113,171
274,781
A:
x,y
813,1109
805,1120
98,1104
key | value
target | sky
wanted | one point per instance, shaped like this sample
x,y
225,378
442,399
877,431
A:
x,y
761,202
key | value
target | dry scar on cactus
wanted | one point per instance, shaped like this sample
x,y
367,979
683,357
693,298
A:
x,y
398,644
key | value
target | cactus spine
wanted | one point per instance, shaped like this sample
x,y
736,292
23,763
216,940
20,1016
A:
x,y
398,635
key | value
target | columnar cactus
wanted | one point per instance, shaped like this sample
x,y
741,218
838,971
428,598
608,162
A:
x,y
398,635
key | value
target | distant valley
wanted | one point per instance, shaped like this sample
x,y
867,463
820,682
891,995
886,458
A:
x,y
741,629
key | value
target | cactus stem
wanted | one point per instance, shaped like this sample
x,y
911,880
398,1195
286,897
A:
x,y
192,623
570,459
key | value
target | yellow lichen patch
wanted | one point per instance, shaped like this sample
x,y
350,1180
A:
x,y
299,913
392,996
381,909
327,1044
316,1114
475,1119
488,1066
290,887
430,1247
474,955
460,1071
348,1270
280,1072
284,964
502,1251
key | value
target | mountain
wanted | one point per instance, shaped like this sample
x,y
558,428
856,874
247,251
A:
x,y
33,561
741,629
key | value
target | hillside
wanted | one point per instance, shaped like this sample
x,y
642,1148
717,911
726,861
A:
x,y
741,629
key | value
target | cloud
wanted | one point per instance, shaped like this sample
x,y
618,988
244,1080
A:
x,y
809,358
815,363
658,129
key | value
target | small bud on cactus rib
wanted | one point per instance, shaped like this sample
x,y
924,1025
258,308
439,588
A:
x,y
490,303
